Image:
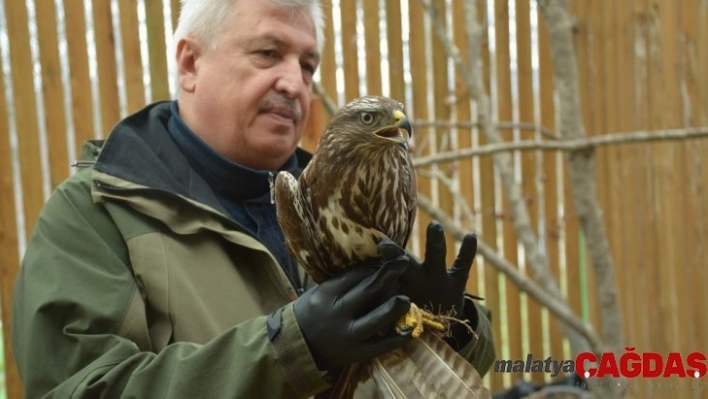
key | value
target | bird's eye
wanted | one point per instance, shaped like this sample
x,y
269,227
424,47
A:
x,y
367,118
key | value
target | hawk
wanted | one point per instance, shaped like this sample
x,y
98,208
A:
x,y
359,189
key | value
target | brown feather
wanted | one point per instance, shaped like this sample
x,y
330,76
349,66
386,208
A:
x,y
427,367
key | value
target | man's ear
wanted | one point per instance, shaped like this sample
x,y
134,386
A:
x,y
188,53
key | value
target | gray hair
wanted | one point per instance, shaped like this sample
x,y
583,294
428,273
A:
x,y
204,19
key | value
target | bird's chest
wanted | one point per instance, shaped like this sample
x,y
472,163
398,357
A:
x,y
368,202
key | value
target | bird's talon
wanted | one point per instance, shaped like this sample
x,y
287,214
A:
x,y
416,321
404,330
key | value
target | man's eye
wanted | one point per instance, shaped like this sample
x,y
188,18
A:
x,y
308,68
269,53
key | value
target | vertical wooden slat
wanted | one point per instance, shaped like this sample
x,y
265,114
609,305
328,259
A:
x,y
106,61
504,107
525,103
420,92
671,259
25,103
699,182
328,67
649,212
666,113
694,20
624,35
10,257
176,7
395,50
372,40
646,252
132,58
316,123
81,98
663,110
443,112
627,265
549,177
155,24
694,109
702,62
487,212
570,217
685,240
52,91
463,113
349,50
318,117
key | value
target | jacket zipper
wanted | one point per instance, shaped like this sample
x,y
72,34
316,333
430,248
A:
x,y
271,185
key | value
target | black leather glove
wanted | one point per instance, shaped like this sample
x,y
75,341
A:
x,y
430,284
433,287
351,317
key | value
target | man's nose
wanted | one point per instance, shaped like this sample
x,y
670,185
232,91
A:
x,y
291,80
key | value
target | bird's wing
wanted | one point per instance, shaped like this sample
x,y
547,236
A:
x,y
412,202
295,218
427,368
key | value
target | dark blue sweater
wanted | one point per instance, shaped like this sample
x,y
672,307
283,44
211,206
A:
x,y
245,193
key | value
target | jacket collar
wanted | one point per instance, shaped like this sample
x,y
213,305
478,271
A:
x,y
228,179
140,151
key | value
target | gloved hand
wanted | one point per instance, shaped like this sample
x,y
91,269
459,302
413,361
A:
x,y
430,284
350,318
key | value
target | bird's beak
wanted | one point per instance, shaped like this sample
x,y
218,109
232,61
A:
x,y
401,131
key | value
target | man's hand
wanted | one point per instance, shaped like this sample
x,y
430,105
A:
x,y
350,318
433,287
430,284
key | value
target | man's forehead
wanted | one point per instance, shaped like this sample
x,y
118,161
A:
x,y
269,15
263,21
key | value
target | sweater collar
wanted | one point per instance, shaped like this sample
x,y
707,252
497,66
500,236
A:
x,y
224,176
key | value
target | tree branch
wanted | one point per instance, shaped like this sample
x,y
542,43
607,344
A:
x,y
581,169
567,145
499,125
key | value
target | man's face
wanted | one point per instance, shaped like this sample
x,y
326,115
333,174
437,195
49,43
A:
x,y
249,96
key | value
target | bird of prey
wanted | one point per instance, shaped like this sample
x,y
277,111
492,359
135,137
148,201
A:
x,y
359,189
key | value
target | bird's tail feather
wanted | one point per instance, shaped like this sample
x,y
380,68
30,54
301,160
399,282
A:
x,y
426,368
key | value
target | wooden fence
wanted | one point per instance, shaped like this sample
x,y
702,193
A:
x,y
642,66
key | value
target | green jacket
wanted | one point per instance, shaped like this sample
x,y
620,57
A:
x,y
136,283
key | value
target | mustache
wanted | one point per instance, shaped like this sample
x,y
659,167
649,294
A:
x,y
282,102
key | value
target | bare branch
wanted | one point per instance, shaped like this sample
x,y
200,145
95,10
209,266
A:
x,y
559,308
567,145
499,125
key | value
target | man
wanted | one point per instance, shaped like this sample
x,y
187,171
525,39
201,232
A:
x,y
161,270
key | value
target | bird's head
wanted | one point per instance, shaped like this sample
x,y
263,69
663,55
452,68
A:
x,y
372,120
